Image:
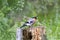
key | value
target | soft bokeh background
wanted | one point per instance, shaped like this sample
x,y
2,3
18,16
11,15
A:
x,y
13,13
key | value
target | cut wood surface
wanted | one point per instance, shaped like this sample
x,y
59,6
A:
x,y
33,33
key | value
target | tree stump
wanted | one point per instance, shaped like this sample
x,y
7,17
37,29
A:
x,y
33,33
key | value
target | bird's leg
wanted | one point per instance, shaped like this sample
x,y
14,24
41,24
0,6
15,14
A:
x,y
30,26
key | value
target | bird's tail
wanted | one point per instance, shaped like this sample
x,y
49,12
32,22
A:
x,y
23,26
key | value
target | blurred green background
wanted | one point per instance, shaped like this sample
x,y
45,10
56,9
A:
x,y
13,13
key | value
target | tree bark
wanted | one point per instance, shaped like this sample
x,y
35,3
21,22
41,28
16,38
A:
x,y
19,34
32,33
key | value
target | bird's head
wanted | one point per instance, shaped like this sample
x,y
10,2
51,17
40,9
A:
x,y
34,17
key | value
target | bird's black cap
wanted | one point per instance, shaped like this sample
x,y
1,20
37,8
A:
x,y
34,17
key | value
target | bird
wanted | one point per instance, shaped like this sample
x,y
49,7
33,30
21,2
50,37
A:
x,y
29,22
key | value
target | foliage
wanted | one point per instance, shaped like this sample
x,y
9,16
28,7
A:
x,y
13,12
